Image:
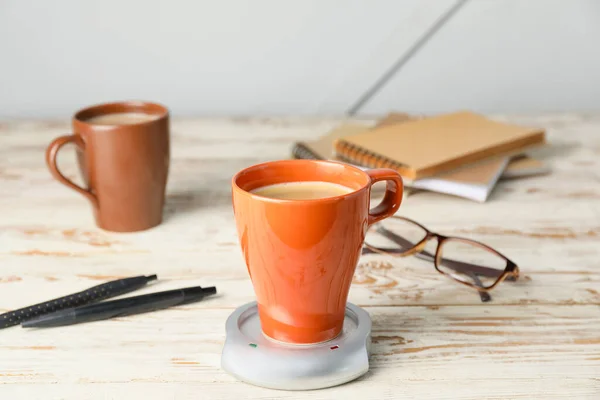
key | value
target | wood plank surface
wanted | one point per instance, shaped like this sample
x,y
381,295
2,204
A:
x,y
441,352
537,338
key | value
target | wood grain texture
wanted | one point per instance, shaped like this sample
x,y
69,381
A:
x,y
537,338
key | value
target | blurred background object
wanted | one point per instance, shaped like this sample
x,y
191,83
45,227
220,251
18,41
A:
x,y
308,57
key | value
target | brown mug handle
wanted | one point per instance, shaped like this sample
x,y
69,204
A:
x,y
393,193
51,153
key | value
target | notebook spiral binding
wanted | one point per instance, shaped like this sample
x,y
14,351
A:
x,y
302,152
354,154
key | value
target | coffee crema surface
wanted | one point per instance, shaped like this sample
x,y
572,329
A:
x,y
309,190
125,118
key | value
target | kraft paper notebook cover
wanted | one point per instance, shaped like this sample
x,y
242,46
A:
x,y
524,165
519,166
475,183
436,145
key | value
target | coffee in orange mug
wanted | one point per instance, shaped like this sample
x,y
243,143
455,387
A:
x,y
301,226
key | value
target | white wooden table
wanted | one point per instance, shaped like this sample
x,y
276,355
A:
x,y
537,339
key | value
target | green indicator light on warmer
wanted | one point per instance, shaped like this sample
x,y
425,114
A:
x,y
253,345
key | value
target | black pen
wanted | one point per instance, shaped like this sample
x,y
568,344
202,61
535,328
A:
x,y
121,307
88,296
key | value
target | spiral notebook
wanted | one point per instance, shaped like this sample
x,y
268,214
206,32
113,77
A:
x,y
518,166
436,145
474,182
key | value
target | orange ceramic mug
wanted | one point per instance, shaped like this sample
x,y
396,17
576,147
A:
x,y
301,254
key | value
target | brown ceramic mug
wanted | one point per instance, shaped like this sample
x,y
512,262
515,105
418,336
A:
x,y
123,152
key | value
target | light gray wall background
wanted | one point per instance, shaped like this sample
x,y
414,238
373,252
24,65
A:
x,y
300,57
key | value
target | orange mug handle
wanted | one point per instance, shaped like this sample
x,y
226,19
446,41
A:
x,y
392,197
51,153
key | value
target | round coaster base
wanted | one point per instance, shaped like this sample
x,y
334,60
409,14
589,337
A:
x,y
252,358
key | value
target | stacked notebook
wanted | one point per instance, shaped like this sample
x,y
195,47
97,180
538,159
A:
x,y
462,154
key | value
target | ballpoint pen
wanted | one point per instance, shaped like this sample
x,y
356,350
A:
x,y
88,296
121,307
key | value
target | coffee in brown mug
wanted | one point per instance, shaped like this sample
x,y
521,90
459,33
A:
x,y
126,118
302,190
123,153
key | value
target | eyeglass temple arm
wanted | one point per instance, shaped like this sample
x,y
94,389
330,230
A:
x,y
458,266
485,296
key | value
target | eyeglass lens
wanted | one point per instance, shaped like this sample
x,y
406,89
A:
x,y
478,265
463,260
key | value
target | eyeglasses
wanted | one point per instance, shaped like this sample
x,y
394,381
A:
x,y
466,261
